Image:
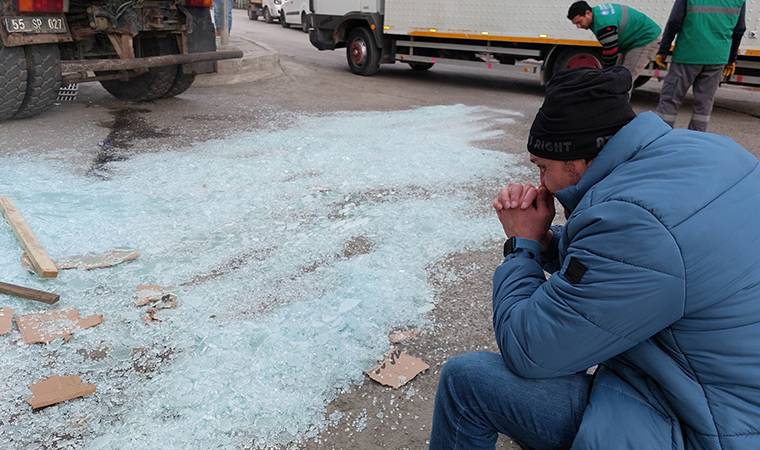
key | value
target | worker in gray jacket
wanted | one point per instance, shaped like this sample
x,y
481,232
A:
x,y
709,33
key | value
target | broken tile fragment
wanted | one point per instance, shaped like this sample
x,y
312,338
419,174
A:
x,y
401,336
6,314
48,326
397,369
151,293
161,297
150,314
57,389
87,262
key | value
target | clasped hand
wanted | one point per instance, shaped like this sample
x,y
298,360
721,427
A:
x,y
526,211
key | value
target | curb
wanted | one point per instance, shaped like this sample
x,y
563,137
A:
x,y
259,61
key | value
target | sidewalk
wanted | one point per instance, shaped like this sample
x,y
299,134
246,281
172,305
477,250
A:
x,y
259,61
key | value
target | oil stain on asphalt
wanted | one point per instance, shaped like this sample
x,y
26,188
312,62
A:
x,y
128,125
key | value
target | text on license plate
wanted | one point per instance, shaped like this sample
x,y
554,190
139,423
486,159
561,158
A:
x,y
35,24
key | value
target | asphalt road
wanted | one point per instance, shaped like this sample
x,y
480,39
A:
x,y
315,82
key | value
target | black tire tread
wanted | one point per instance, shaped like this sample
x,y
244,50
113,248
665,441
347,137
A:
x,y
150,85
12,80
43,79
421,67
372,64
142,88
182,82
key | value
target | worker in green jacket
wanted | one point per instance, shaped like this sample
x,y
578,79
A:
x,y
629,38
709,33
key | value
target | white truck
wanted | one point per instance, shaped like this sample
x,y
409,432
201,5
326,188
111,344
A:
x,y
268,9
517,35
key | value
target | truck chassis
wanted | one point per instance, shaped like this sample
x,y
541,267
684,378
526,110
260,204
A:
x,y
139,50
535,39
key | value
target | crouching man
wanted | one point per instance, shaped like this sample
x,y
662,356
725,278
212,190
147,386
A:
x,y
655,278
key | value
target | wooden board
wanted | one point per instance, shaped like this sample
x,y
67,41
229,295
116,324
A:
x,y
57,389
28,293
42,263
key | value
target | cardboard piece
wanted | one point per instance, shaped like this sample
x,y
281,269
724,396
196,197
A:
x,y
6,314
39,258
401,336
397,369
151,293
49,326
57,389
87,262
28,293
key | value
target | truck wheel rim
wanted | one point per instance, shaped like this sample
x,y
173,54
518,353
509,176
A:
x,y
583,61
358,52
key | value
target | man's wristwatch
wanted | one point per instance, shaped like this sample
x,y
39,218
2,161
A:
x,y
515,243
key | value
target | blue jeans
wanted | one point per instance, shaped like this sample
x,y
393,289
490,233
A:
x,y
478,397
218,14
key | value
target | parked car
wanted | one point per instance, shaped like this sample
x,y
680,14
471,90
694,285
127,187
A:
x,y
268,9
295,12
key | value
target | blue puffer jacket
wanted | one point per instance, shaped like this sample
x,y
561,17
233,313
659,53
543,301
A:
x,y
665,224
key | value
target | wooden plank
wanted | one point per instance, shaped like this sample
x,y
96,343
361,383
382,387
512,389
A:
x,y
29,293
42,263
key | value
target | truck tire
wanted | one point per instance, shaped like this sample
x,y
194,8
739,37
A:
x,y
267,15
640,81
577,57
182,82
43,79
12,80
150,85
304,23
421,66
361,52
252,13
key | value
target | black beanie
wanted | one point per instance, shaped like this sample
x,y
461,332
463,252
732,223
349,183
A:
x,y
582,110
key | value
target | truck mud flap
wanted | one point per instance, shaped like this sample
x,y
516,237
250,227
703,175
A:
x,y
318,43
201,38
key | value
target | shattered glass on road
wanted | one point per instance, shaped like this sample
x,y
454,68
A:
x,y
292,255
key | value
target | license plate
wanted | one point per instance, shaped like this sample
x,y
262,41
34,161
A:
x,y
35,24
